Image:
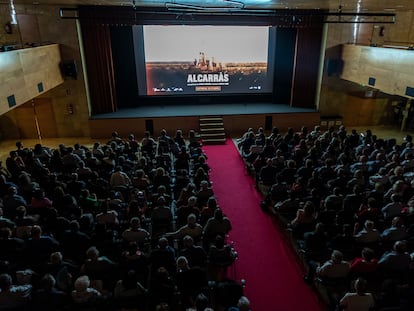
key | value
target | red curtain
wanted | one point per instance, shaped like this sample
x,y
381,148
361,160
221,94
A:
x,y
99,66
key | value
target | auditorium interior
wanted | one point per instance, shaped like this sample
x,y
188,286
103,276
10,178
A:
x,y
78,71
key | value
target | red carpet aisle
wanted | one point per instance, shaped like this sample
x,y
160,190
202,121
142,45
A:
x,y
267,263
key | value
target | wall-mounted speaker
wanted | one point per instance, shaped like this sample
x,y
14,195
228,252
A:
x,y
268,123
149,126
334,66
69,69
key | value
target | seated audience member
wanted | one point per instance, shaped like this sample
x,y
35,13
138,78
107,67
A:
x,y
242,305
135,233
162,290
190,281
315,243
193,140
129,289
364,265
394,208
335,268
217,225
11,202
39,247
396,262
163,255
13,297
74,243
188,191
161,191
61,270
208,210
83,293
358,300
161,178
163,142
199,176
24,223
192,228
11,247
137,207
368,234
305,219
119,178
98,268
107,216
204,193
183,211
396,232
344,241
195,254
148,145
161,217
220,257
48,297
5,222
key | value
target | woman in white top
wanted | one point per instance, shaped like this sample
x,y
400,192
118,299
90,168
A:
x,y
358,301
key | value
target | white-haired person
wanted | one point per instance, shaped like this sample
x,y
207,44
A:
x,y
242,305
13,297
83,293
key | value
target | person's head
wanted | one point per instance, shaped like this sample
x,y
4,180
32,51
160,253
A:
x,y
191,220
47,282
182,263
201,302
243,304
212,203
337,256
5,282
368,254
74,226
204,184
397,222
218,214
400,247
188,241
5,233
56,258
162,242
92,253
369,225
21,211
219,241
36,232
82,283
161,200
192,201
309,208
135,223
130,280
360,286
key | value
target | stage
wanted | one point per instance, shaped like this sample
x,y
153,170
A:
x,y
236,117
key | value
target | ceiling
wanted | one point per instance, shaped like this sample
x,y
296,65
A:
x,y
362,6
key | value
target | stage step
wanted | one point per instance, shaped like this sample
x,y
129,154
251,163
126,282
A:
x,y
212,130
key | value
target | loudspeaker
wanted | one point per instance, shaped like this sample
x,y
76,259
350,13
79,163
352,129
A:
x,y
69,68
149,126
334,67
268,123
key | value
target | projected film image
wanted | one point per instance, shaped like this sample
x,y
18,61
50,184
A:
x,y
182,60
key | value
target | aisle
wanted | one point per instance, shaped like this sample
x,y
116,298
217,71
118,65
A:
x,y
266,261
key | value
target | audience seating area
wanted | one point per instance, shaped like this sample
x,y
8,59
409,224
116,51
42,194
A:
x,y
346,200
127,224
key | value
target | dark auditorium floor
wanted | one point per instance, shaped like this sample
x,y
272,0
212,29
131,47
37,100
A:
x,y
7,145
